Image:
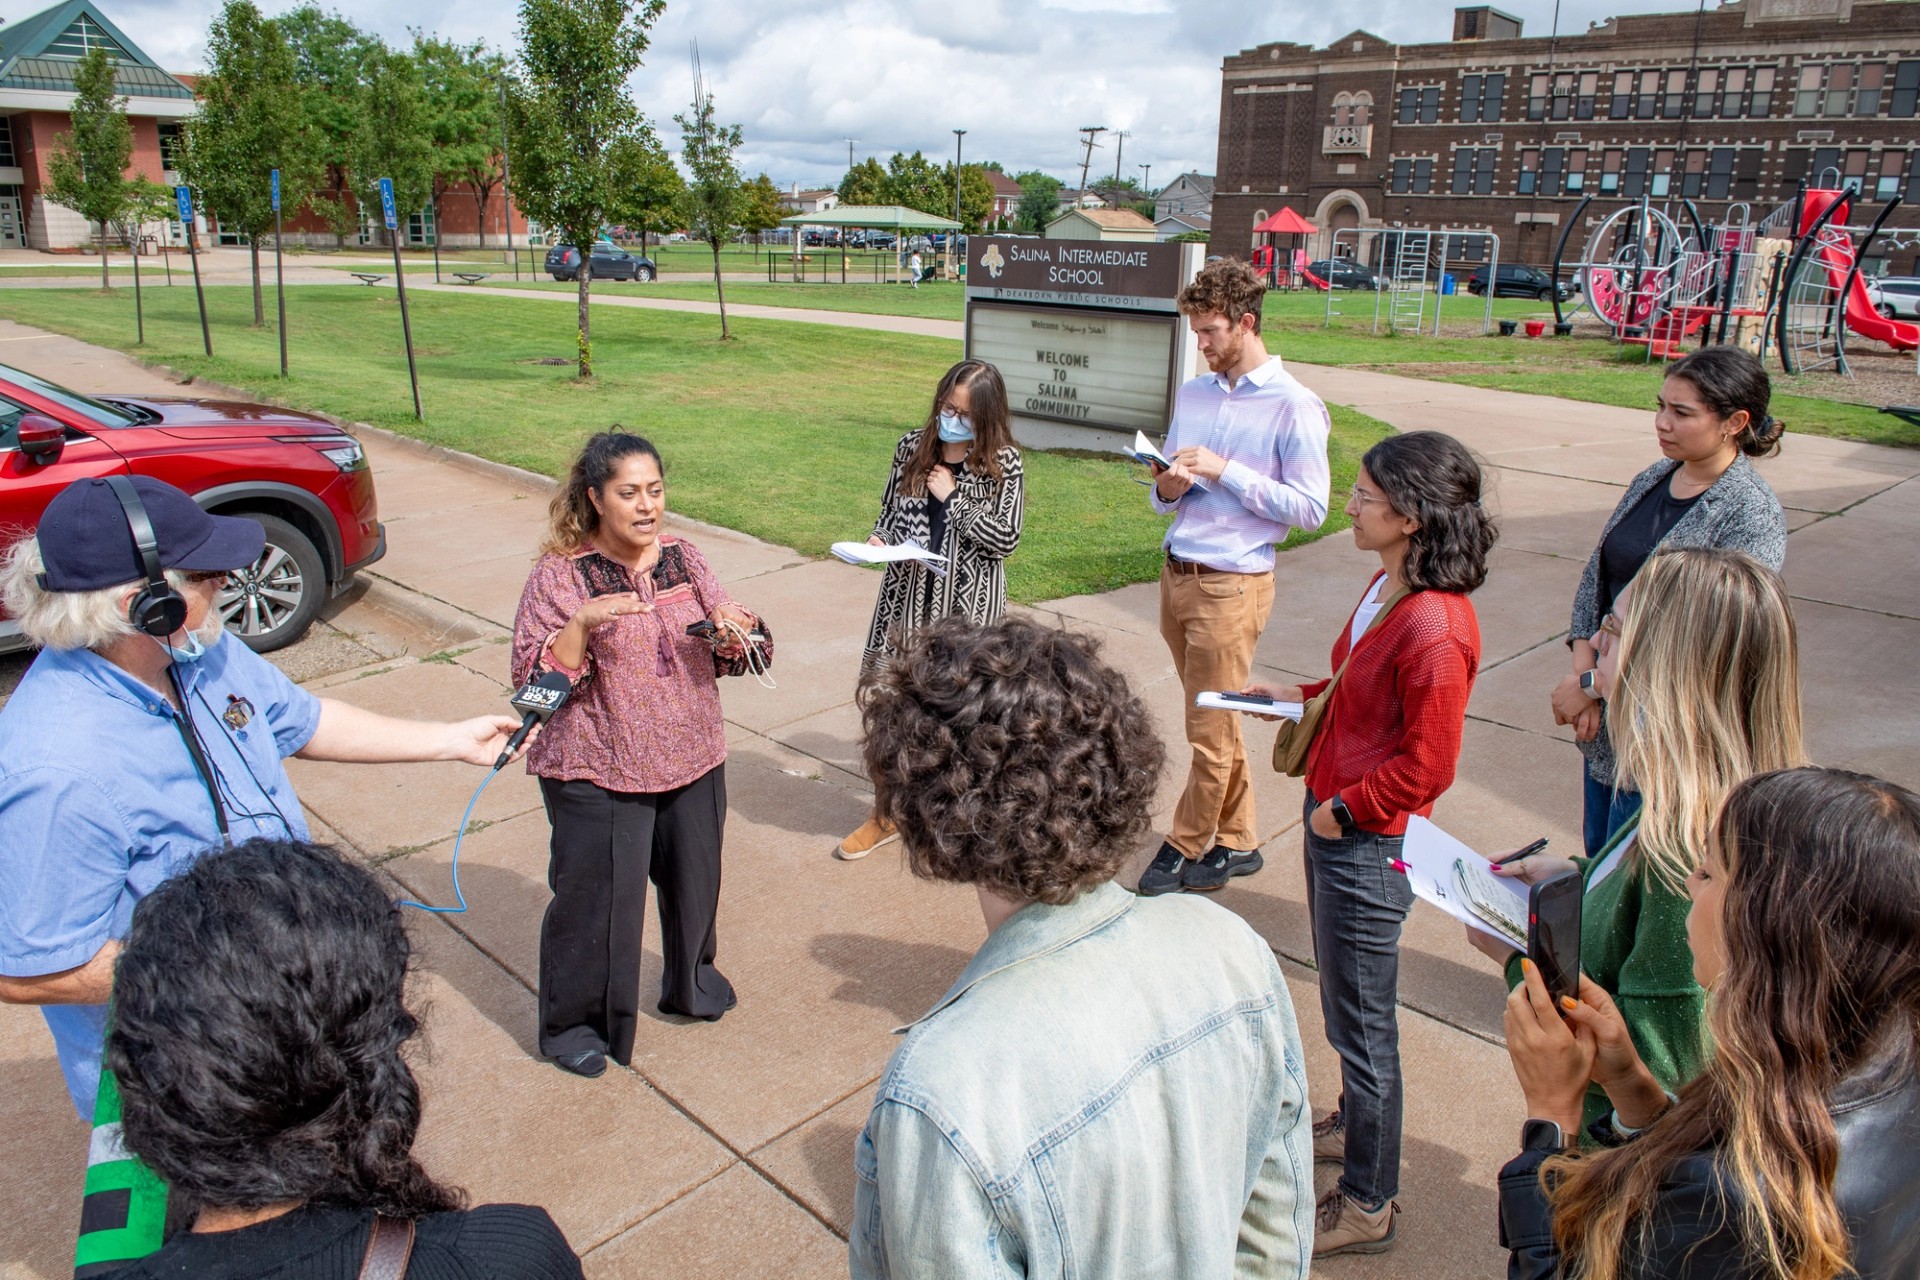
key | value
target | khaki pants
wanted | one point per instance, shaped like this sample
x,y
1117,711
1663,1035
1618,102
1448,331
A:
x,y
1211,621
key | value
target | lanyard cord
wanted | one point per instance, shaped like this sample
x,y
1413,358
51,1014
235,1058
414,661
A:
x,y
192,741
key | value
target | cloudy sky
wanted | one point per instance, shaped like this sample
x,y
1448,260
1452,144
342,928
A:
x,y
1021,76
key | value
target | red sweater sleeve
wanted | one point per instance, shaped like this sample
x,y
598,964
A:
x,y
1432,685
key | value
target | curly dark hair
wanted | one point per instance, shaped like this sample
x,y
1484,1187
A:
x,y
1011,756
1228,287
1429,477
1731,381
257,1029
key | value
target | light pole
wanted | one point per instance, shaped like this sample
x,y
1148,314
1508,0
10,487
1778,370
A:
x,y
953,237
1146,183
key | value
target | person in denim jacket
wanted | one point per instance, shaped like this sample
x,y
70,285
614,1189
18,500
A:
x,y
1114,1086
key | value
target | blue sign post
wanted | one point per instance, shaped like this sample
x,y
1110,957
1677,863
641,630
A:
x,y
388,212
183,202
279,271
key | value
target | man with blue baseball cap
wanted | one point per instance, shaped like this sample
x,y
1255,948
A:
x,y
143,735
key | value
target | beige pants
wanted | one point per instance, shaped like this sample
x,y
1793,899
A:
x,y
1211,621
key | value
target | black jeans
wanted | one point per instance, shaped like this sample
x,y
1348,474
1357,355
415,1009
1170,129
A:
x,y
606,846
1357,903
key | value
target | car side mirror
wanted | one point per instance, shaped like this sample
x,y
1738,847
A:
x,y
41,439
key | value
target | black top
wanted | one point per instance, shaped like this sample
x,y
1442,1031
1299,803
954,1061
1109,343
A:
x,y
316,1242
937,508
1636,536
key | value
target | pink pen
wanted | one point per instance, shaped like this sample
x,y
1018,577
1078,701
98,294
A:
x,y
1399,866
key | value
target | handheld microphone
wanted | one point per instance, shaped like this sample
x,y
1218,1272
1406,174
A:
x,y
537,700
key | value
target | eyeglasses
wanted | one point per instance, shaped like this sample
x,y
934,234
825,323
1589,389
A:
x,y
207,575
1611,624
1362,497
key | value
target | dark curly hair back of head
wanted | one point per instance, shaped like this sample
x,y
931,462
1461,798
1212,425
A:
x,y
1430,477
257,1028
1011,756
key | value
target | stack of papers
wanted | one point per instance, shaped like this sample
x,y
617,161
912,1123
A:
x,y
1143,451
1250,703
1455,879
863,553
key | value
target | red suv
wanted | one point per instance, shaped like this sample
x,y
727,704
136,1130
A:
x,y
300,476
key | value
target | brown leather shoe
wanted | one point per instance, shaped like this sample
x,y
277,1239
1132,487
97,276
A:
x,y
1330,1139
1341,1226
873,833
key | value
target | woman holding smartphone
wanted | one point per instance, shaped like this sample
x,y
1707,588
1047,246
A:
x,y
1385,749
633,767
956,489
1699,660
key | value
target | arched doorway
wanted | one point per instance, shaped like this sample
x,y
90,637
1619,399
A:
x,y
1342,210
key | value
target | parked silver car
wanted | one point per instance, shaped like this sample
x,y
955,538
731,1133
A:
x,y
1895,297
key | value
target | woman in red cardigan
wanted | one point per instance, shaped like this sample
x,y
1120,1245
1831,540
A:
x,y
1385,750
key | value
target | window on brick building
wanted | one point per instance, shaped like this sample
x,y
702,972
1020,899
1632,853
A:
x,y
6,142
1746,173
1528,181
1342,110
1913,177
172,138
1839,96
1854,172
1423,176
1473,169
1634,184
1893,168
1693,174
1646,97
1906,90
1610,165
81,37
1870,90
1759,102
1362,109
1401,180
1661,179
1420,106
1673,102
1806,99
1720,173
1576,172
1587,89
1480,98
1826,167
1620,103
1553,162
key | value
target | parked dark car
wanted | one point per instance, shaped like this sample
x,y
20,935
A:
x,y
880,239
1344,273
304,479
1516,281
609,262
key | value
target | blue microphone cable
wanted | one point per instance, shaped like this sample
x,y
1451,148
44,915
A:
x,y
459,836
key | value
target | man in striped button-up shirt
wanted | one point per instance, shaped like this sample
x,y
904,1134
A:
x,y
1255,440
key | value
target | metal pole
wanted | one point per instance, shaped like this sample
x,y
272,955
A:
x,y
406,326
280,286
435,206
139,312
200,294
166,259
506,181
953,236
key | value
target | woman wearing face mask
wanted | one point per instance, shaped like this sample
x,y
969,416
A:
x,y
1793,1156
955,489
1712,418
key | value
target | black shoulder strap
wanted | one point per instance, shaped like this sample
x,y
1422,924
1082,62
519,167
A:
x,y
183,722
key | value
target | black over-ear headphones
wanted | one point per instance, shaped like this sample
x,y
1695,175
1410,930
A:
x,y
157,609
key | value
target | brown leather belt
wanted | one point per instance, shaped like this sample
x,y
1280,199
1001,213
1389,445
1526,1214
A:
x,y
1188,566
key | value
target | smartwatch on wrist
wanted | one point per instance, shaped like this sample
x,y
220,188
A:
x,y
1590,686
1341,814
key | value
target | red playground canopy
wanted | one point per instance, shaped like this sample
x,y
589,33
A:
x,y
1286,223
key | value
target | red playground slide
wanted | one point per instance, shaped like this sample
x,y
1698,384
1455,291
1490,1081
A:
x,y
1300,267
1836,254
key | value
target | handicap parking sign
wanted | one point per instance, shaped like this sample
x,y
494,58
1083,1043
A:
x,y
183,197
386,204
276,191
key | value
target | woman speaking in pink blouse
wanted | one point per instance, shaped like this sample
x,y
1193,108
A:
x,y
633,766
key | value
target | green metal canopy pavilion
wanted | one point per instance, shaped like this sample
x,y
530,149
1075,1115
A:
x,y
893,217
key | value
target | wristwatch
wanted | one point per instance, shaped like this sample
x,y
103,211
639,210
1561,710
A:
x,y
1590,686
1341,814
1541,1135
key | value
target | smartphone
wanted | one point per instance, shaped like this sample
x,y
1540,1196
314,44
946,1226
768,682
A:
x,y
1553,932
703,629
1251,699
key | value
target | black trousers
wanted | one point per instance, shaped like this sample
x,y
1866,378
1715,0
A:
x,y
606,846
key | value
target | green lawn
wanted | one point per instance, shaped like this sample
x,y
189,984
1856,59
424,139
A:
x,y
68,269
785,433
931,301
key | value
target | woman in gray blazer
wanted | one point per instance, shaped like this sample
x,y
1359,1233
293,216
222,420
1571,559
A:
x,y
1712,419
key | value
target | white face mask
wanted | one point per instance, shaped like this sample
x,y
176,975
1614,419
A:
x,y
192,651
955,427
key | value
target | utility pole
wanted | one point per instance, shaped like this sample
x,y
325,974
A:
x,y
953,236
1091,131
850,142
1146,179
1119,150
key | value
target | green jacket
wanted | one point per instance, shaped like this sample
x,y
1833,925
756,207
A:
x,y
1633,942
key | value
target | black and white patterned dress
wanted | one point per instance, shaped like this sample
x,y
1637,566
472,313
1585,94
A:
x,y
980,530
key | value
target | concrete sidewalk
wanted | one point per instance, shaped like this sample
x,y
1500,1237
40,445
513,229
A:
x,y
727,1151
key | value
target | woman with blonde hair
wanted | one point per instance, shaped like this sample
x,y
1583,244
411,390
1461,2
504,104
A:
x,y
956,488
1700,664
1796,1153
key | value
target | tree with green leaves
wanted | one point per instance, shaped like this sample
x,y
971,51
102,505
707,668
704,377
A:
x,y
87,171
1039,202
649,192
865,183
760,210
333,57
397,142
976,198
251,121
714,197
461,84
918,183
568,113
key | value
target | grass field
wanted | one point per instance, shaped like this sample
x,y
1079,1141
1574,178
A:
x,y
785,433
929,302
73,269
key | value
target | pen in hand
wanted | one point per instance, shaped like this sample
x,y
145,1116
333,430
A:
x,y
1525,852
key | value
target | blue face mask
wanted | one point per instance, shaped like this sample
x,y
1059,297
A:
x,y
955,428
192,651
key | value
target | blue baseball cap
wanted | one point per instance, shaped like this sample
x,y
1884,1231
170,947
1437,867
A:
x,y
87,543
